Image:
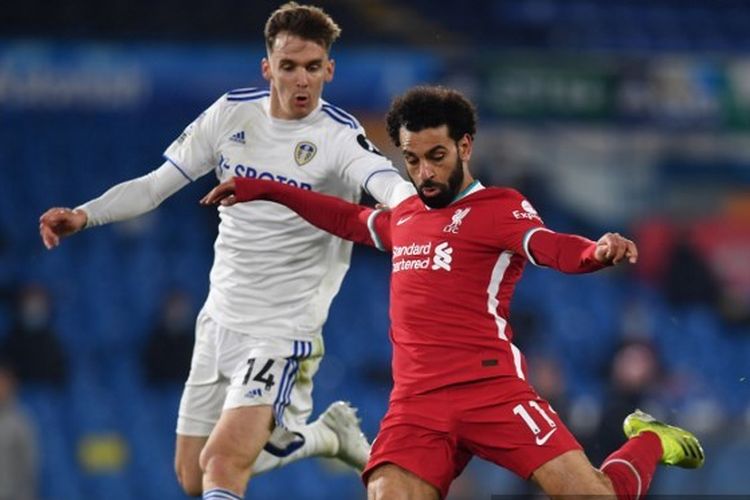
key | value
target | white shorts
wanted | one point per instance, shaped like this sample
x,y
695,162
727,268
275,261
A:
x,y
231,369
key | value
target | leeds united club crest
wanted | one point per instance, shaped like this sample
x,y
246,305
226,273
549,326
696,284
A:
x,y
304,152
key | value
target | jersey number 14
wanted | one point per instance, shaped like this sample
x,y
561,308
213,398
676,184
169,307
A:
x,y
262,376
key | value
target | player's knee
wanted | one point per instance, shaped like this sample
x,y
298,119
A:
x,y
390,482
382,488
595,484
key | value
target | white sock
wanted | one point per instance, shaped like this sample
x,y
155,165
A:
x,y
319,441
220,494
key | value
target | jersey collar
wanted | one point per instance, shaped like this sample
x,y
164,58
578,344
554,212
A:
x,y
470,189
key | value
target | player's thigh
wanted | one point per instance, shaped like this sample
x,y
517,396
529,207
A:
x,y
256,393
239,436
275,372
263,381
416,436
265,372
391,482
519,435
571,475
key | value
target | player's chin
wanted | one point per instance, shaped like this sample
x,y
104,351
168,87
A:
x,y
435,199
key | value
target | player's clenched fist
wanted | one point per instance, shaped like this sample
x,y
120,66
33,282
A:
x,y
612,248
59,222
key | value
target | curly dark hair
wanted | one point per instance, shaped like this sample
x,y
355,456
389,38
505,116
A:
x,y
305,21
431,106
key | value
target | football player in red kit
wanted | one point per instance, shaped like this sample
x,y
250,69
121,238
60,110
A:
x,y
460,384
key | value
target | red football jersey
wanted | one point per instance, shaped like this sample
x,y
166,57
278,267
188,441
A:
x,y
454,272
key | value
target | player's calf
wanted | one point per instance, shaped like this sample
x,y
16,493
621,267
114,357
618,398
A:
x,y
187,468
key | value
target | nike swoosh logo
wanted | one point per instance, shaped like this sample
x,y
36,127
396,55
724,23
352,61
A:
x,y
403,220
541,440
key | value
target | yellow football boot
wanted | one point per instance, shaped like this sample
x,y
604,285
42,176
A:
x,y
681,448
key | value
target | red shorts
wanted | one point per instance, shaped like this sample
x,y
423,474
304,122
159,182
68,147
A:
x,y
501,420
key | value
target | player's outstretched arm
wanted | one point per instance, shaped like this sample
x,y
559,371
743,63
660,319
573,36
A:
x,y
121,202
571,253
58,222
338,217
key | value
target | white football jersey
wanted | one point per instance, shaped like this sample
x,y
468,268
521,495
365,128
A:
x,y
274,273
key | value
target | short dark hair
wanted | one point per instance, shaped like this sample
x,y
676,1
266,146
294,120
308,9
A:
x,y
305,21
428,107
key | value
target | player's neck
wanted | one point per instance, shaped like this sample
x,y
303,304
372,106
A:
x,y
467,184
467,187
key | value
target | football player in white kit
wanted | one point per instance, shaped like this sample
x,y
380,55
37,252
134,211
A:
x,y
258,337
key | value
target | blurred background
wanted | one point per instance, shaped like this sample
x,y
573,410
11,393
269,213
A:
x,y
626,115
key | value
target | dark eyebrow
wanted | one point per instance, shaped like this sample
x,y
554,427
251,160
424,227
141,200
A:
x,y
295,63
431,151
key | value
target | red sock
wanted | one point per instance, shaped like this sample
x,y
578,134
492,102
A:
x,y
632,467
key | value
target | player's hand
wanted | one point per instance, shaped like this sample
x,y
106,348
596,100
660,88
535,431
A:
x,y
612,248
59,222
222,194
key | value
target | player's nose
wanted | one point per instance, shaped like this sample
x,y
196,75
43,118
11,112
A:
x,y
425,170
302,78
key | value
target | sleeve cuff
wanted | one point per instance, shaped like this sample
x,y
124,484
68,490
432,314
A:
x,y
527,240
373,233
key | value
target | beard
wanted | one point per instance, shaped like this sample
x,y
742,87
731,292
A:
x,y
447,192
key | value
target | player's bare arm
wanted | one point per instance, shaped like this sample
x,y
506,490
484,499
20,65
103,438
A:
x,y
58,222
